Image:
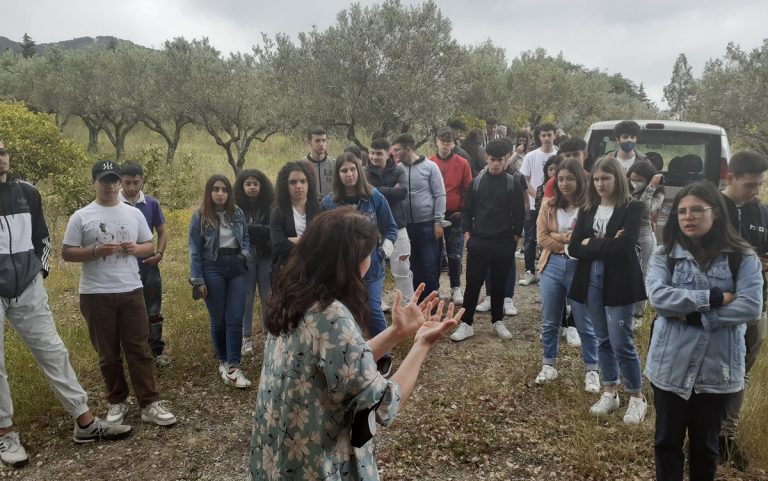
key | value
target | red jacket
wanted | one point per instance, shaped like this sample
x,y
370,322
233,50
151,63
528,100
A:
x,y
457,176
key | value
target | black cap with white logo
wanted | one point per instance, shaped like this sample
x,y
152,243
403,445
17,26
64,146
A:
x,y
104,168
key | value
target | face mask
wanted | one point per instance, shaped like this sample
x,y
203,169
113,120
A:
x,y
638,185
627,147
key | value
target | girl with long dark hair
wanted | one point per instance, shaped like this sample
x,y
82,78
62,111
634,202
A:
x,y
554,225
608,280
350,188
296,195
254,195
705,284
219,248
320,393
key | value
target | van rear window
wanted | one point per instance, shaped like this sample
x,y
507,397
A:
x,y
686,156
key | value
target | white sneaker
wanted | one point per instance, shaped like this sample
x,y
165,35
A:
x,y
520,254
509,307
592,382
458,297
12,453
527,279
606,404
462,332
236,378
158,413
484,306
223,369
636,410
547,374
572,337
247,349
501,330
637,323
385,307
117,413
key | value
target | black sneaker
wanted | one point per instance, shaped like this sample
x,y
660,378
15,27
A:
x,y
384,365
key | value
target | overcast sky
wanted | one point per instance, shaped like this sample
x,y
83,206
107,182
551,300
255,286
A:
x,y
639,39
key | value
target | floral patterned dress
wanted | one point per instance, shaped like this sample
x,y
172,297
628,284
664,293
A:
x,y
313,379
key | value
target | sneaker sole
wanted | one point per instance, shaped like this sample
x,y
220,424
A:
x,y
233,384
16,464
115,437
462,339
148,419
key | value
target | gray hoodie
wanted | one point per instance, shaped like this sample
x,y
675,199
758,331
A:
x,y
425,201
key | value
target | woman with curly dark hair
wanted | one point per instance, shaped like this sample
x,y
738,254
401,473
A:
x,y
254,195
320,395
297,205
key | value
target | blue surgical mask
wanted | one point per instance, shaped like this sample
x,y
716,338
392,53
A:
x,y
627,147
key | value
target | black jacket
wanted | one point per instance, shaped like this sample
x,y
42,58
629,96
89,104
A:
x,y
258,227
385,180
622,276
281,227
494,207
24,237
750,223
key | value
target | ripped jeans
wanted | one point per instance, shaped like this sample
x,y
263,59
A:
x,y
401,269
613,328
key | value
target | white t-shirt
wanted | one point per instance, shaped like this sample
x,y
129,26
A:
x,y
626,164
602,216
300,221
533,167
96,223
226,236
566,220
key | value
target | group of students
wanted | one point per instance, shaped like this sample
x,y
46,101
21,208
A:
x,y
321,237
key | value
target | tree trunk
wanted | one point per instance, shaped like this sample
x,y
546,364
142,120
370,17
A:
x,y
120,143
93,138
170,154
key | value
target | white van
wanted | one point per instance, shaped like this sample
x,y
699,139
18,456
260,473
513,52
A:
x,y
689,151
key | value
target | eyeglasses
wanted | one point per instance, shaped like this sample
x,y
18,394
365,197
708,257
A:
x,y
696,211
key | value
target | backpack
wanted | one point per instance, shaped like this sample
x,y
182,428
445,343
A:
x,y
512,179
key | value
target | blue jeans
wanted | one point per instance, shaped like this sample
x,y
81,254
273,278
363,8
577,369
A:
x,y
374,283
613,327
225,281
454,246
555,281
529,241
153,296
425,256
259,270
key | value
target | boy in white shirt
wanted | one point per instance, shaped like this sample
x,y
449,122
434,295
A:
x,y
107,236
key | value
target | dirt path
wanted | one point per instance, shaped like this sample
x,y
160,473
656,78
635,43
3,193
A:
x,y
476,415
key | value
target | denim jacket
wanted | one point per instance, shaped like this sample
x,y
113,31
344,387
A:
x,y
377,210
709,358
205,247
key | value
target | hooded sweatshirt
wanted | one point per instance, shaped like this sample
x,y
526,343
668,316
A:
x,y
425,201
457,176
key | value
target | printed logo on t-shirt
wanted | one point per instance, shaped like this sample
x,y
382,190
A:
x,y
113,232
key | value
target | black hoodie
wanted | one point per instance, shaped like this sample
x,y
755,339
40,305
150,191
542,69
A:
x,y
385,180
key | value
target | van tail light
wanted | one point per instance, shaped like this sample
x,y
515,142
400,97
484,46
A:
x,y
723,173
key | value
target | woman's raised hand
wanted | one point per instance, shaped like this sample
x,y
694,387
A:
x,y
433,329
407,320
